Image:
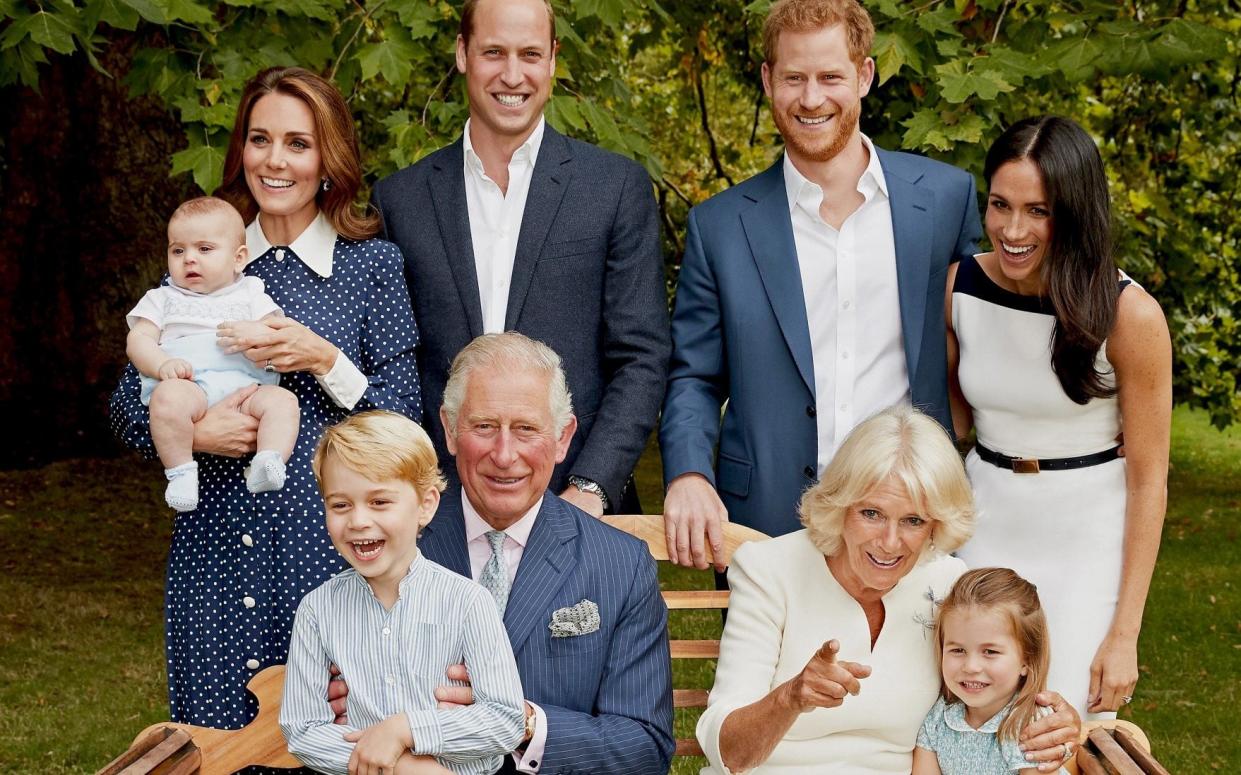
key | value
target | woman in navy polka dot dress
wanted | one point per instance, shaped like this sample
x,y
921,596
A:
x,y
240,564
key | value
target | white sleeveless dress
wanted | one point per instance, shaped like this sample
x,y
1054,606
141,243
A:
x,y
1061,530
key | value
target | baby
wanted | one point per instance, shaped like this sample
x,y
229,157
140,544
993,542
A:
x,y
172,342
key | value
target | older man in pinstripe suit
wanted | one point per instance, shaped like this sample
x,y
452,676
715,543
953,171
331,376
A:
x,y
580,600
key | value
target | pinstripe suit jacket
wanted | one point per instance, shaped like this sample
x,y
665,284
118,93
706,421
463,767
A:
x,y
607,694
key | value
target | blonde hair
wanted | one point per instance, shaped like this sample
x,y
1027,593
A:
x,y
381,445
812,15
212,205
516,352
1003,591
902,443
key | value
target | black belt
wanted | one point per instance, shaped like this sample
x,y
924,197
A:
x,y
1031,465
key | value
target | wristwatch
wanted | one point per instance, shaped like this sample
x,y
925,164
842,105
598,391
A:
x,y
585,485
531,718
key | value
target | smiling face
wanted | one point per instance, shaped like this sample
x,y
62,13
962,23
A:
x,y
1019,223
375,524
509,64
282,162
505,441
882,539
982,662
205,251
816,92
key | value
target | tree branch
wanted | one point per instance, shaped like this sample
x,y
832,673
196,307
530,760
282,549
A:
x,y
366,15
706,124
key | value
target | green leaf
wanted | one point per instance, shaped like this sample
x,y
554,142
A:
x,y
188,11
114,13
154,11
959,86
421,18
942,21
1075,57
925,129
205,161
315,9
565,116
391,56
610,12
51,30
892,51
1016,66
1182,42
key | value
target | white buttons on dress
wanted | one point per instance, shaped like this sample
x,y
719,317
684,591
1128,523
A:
x,y
252,664
279,254
387,631
246,539
248,601
845,304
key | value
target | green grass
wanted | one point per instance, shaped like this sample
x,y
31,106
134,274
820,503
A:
x,y
81,635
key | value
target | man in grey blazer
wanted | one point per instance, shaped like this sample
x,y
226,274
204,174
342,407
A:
x,y
516,227
811,296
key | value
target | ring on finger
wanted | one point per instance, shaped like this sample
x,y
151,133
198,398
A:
x,y
1068,751
1128,698
269,368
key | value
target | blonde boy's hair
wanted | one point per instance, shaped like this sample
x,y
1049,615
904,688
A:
x,y
902,443
381,445
213,205
1002,590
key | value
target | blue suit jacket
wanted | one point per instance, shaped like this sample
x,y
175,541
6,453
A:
x,y
740,333
607,694
588,281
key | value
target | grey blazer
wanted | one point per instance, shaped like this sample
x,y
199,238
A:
x,y
587,281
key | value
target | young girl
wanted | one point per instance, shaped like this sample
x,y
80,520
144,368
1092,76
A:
x,y
993,655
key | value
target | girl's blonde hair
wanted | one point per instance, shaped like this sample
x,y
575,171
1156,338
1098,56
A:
x,y
1002,590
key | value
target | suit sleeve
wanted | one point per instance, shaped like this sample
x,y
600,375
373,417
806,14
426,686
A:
x,y
630,729
971,229
697,375
389,336
636,341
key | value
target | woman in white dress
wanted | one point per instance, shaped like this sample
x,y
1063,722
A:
x,y
827,663
1052,352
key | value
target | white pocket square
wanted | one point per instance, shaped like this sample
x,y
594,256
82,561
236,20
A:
x,y
575,620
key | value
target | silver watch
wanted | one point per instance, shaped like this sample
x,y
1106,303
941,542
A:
x,y
585,485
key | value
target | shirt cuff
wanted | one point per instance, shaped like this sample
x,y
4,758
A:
x,y
424,728
344,382
529,761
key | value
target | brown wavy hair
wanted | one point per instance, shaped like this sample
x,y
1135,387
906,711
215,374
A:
x,y
1000,589
338,149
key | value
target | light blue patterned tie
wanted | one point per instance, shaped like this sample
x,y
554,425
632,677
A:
x,y
494,577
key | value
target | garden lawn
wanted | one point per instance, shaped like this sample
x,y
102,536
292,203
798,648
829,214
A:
x,y
81,631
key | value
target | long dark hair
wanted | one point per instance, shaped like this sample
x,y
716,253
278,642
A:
x,y
338,148
1079,273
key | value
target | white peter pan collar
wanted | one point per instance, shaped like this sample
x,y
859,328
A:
x,y
313,247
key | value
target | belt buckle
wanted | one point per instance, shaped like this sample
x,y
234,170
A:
x,y
1024,465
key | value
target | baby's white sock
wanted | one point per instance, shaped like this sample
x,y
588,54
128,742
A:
x,y
265,472
182,492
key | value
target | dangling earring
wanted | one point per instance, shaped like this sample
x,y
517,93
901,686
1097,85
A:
x,y
325,185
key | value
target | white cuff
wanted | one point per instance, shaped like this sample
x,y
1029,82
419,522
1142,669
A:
x,y
344,382
529,761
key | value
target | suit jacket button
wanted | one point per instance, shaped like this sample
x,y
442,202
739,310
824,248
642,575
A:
x,y
808,471
810,410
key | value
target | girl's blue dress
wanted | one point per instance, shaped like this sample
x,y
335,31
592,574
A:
x,y
240,564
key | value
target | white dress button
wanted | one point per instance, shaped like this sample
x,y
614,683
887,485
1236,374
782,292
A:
x,y
246,539
249,601
252,664
845,305
279,254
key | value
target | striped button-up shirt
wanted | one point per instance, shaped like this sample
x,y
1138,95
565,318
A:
x,y
393,660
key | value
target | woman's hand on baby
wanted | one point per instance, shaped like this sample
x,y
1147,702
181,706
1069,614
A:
x,y
380,746
283,342
225,429
825,681
176,368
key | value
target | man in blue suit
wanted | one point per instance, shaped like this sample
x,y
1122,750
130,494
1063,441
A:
x,y
811,296
580,600
515,227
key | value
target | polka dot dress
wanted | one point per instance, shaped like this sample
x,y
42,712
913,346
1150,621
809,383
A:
x,y
241,562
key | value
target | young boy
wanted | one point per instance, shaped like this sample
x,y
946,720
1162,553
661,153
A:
x,y
172,342
395,623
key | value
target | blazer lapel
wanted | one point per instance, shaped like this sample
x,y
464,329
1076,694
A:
x,y
547,186
447,195
769,231
443,540
913,234
548,557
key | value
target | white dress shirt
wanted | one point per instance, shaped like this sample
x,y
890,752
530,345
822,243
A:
x,y
344,383
848,279
516,536
495,222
